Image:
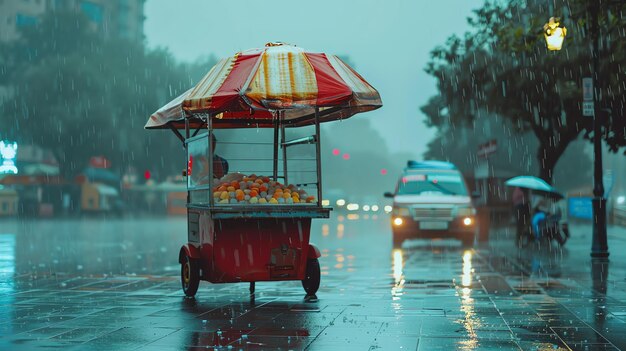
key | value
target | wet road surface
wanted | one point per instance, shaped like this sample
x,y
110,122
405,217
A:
x,y
108,285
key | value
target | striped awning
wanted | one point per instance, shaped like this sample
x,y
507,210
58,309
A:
x,y
254,87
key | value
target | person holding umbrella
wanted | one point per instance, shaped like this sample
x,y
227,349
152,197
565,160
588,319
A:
x,y
549,219
547,216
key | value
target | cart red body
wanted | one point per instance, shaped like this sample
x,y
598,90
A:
x,y
249,249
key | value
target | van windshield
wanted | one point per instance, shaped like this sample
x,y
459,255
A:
x,y
432,183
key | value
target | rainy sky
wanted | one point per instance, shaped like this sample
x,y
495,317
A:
x,y
388,41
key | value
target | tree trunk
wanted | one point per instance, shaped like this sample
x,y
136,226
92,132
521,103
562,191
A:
x,y
547,158
546,172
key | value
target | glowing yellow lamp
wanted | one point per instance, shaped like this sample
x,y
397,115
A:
x,y
554,34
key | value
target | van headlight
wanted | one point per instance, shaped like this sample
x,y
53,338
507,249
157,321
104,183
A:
x,y
401,211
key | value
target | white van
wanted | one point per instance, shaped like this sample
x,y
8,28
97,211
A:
x,y
431,200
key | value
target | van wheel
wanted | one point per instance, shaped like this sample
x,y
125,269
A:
x,y
467,242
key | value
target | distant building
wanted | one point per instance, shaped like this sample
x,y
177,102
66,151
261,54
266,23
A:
x,y
114,18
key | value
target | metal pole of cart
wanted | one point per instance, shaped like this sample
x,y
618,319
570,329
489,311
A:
x,y
209,126
318,157
186,129
284,146
187,156
276,114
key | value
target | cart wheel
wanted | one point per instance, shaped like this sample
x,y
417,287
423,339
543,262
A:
x,y
311,281
190,276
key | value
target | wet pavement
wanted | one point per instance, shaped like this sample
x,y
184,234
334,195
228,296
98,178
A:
x,y
113,285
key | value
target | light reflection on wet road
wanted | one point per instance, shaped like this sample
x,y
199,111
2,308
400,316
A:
x,y
91,284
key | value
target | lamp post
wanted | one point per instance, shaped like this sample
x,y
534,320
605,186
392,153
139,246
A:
x,y
599,244
554,34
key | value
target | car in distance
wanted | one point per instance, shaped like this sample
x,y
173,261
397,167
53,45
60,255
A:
x,y
431,200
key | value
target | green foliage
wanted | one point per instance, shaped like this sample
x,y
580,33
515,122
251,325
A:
x,y
515,153
503,67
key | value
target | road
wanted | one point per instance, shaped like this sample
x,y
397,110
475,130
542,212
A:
x,y
93,284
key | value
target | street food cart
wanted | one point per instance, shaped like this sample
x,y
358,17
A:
x,y
253,223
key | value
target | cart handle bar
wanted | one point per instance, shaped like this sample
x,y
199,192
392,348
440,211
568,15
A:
x,y
306,140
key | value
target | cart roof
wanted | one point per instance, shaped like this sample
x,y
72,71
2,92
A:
x,y
248,89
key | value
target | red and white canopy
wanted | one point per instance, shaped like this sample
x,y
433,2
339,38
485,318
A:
x,y
248,89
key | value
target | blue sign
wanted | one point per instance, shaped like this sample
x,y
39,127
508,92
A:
x,y
580,207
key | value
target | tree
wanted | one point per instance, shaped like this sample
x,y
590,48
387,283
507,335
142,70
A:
x,y
80,94
503,67
514,155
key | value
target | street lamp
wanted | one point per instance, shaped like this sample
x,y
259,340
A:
x,y
554,33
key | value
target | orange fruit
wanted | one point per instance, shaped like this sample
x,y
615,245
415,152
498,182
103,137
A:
x,y
253,193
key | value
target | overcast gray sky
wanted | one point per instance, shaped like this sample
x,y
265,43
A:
x,y
388,41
